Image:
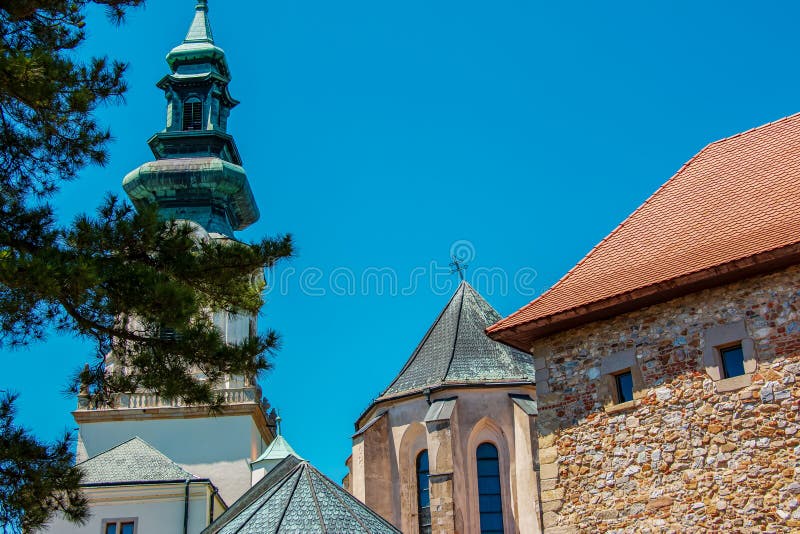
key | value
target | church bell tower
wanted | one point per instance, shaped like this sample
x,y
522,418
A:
x,y
197,176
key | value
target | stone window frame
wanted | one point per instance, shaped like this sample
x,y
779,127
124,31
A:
x,y
119,521
412,443
612,365
723,336
488,431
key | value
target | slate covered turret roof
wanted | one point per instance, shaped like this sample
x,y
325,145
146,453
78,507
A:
x,y
457,351
295,497
132,461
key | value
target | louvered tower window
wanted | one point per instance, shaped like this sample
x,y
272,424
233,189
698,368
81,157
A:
x,y
193,114
489,495
423,493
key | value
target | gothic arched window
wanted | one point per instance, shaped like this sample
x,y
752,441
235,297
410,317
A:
x,y
489,495
423,493
193,114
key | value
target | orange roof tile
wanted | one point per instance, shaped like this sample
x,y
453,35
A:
x,y
737,198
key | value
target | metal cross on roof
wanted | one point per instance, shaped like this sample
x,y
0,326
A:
x,y
458,266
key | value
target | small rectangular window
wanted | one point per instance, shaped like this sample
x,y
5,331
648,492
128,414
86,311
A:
x,y
624,383
119,526
732,361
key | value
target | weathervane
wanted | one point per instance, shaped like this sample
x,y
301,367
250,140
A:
x,y
458,266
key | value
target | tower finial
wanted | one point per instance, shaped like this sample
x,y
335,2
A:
x,y
278,425
202,5
458,266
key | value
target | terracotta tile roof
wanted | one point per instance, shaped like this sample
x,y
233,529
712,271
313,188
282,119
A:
x,y
739,197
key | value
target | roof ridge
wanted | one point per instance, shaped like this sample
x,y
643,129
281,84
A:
x,y
501,325
149,446
420,344
316,501
463,290
111,449
335,493
250,498
280,484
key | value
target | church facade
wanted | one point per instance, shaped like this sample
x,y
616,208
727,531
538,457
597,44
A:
x,y
654,388
450,444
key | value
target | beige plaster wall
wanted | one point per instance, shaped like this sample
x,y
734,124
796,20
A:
x,y
481,414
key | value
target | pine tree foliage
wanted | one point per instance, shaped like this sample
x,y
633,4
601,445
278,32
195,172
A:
x,y
119,277
35,477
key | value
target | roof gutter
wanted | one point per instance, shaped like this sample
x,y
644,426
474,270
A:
x,y
145,483
524,335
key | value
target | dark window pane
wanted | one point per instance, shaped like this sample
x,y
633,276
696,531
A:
x,y
192,115
487,467
486,451
489,485
423,493
732,361
490,501
491,522
127,528
422,461
624,386
111,528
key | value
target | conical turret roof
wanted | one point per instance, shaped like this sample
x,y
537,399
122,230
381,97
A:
x,y
296,497
456,350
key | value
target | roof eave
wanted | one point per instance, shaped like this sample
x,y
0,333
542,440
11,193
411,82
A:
x,y
380,401
522,336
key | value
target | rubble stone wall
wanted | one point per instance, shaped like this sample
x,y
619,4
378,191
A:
x,y
686,457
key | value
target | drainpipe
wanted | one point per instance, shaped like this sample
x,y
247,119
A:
x,y
186,507
214,492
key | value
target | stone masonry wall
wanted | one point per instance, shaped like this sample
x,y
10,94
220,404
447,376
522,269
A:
x,y
686,458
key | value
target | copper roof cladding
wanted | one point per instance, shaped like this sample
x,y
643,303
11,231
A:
x,y
732,207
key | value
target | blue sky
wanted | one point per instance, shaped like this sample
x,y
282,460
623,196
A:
x,y
381,134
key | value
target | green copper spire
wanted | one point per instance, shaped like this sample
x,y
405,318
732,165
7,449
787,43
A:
x,y
198,46
200,29
197,174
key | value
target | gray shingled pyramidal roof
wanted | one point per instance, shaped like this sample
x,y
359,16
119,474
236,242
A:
x,y
132,461
456,350
296,498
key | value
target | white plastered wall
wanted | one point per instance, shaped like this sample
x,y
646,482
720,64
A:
x,y
156,508
216,448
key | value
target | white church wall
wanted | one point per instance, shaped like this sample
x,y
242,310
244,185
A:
x,y
155,508
217,448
